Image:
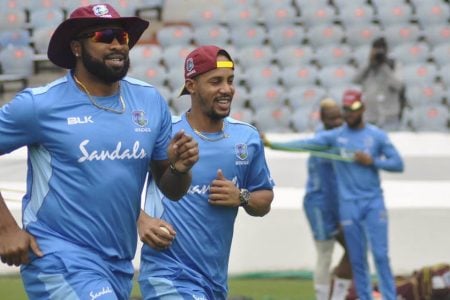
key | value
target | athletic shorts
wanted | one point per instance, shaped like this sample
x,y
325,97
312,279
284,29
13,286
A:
x,y
77,275
323,218
157,288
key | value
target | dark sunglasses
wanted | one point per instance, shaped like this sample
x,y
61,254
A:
x,y
107,36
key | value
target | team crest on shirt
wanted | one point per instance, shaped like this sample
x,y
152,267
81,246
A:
x,y
140,120
241,154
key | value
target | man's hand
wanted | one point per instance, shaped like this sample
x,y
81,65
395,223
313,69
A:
x,y
223,192
15,244
154,232
363,158
183,152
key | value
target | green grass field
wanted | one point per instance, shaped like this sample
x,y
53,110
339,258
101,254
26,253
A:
x,y
253,287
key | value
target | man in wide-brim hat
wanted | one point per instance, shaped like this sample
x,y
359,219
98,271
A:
x,y
91,136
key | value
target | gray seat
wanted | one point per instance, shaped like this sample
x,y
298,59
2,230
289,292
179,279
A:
x,y
154,74
248,35
333,54
319,14
391,13
305,96
267,96
441,54
431,117
270,119
205,16
432,13
292,55
277,13
325,34
171,35
362,34
336,75
285,35
432,93
262,76
215,34
419,73
299,75
415,52
251,56
437,34
402,33
356,14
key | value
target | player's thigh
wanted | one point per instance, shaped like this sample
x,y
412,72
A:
x,y
157,288
49,278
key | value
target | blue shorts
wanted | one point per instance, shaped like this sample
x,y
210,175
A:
x,y
158,288
323,217
77,275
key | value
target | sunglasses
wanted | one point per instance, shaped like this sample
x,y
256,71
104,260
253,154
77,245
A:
x,y
107,36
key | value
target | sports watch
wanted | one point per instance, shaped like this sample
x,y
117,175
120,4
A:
x,y
244,197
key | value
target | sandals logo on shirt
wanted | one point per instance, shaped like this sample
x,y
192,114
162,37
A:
x,y
140,120
241,153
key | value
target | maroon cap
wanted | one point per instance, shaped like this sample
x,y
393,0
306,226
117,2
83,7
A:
x,y
59,51
202,60
352,100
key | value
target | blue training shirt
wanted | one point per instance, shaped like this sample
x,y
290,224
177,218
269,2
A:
x,y
356,181
86,166
201,248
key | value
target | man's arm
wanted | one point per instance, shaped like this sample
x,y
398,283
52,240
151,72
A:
x,y
14,242
173,176
259,203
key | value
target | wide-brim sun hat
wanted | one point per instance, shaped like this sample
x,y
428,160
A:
x,y
59,51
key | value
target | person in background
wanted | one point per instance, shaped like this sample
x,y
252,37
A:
x,y
92,137
384,92
187,243
321,207
365,149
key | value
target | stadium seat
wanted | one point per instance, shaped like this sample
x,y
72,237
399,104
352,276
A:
x,y
205,16
15,4
402,33
444,75
319,14
154,74
441,54
212,34
171,35
345,4
40,39
362,34
241,15
293,55
180,104
262,76
429,118
44,16
361,55
437,34
17,60
299,75
418,73
125,7
333,54
285,35
240,98
421,94
243,114
269,119
13,19
267,96
336,75
305,96
432,13
237,4
415,52
250,35
15,37
174,56
305,119
391,13
325,34
278,14
356,14
304,4
149,54
251,56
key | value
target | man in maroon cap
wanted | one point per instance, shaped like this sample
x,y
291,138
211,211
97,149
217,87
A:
x,y
363,150
232,173
92,137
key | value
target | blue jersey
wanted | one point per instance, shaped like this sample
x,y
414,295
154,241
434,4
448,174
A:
x,y
201,248
86,166
356,181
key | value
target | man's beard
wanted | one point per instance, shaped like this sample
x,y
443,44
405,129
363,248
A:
x,y
102,71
